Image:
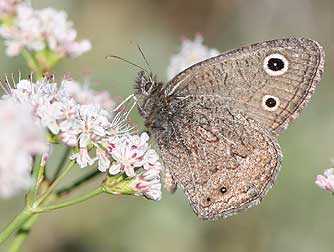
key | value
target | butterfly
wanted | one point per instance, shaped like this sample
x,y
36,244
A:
x,y
216,123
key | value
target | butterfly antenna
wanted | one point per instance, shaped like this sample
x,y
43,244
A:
x,y
127,61
144,57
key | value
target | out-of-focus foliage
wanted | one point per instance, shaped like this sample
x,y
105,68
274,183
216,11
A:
x,y
295,216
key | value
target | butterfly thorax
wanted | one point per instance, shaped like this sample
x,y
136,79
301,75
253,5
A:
x,y
151,98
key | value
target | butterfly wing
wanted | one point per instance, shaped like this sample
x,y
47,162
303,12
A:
x,y
269,81
224,161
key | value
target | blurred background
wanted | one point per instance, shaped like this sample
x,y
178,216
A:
x,y
295,216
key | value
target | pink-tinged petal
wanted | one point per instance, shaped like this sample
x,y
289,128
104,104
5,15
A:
x,y
100,131
192,51
114,169
103,161
83,159
20,138
117,154
143,138
68,138
326,181
129,171
53,127
84,140
329,172
149,175
154,193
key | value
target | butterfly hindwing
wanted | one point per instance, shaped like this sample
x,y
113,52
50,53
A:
x,y
224,161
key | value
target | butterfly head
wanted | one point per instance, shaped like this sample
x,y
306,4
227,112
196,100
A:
x,y
148,91
146,84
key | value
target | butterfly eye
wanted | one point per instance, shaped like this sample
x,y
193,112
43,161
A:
x,y
275,64
147,87
270,102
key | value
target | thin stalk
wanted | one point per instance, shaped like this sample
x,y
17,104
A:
x,y
72,202
22,234
35,174
62,162
78,183
15,224
32,63
54,184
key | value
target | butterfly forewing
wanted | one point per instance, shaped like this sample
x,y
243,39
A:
x,y
270,81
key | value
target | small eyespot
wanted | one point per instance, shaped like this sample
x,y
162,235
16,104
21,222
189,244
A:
x,y
223,190
208,199
270,102
275,64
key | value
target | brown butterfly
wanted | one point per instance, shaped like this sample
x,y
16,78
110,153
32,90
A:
x,y
217,122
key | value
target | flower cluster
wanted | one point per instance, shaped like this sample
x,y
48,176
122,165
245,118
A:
x,y
97,134
191,53
45,29
83,94
55,109
8,8
20,138
131,153
326,181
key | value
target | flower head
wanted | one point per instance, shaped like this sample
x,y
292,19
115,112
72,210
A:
x,y
54,107
191,52
84,95
97,136
148,184
20,138
326,181
37,30
90,126
8,8
131,152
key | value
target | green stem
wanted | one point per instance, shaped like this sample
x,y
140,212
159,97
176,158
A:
x,y
78,183
15,224
32,63
72,202
54,184
35,175
62,162
22,234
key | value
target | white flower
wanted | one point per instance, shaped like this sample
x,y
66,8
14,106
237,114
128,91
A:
x,y
326,181
125,158
47,112
191,53
148,184
20,138
131,152
85,95
8,7
36,30
103,160
66,111
55,109
151,160
82,157
91,125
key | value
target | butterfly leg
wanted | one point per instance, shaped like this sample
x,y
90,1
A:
x,y
169,182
